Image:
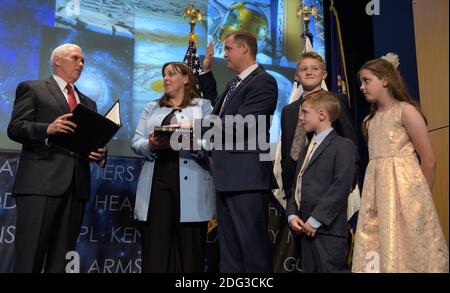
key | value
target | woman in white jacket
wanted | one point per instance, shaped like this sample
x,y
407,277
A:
x,y
175,196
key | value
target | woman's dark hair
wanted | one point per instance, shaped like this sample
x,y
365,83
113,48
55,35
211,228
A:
x,y
191,90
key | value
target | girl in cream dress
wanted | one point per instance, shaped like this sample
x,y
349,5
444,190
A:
x,y
398,227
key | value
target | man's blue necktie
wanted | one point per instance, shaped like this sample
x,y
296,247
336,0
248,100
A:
x,y
233,84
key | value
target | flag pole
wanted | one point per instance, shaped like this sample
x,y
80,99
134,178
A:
x,y
195,15
341,46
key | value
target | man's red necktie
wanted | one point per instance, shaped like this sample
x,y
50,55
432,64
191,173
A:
x,y
71,97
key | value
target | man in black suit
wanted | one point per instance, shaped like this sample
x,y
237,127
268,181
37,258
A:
x,y
243,180
317,209
310,73
52,184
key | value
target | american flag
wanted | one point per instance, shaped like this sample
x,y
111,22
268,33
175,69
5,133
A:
x,y
191,59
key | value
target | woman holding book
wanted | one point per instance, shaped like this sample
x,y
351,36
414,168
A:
x,y
175,198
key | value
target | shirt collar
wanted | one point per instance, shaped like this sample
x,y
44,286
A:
x,y
321,136
61,82
247,71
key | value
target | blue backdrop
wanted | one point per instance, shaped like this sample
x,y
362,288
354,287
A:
x,y
109,240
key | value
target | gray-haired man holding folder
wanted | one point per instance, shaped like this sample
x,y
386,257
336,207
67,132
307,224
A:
x,y
52,184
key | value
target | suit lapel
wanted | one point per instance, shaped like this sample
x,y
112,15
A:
x,y
81,97
239,87
247,80
54,89
295,113
219,102
321,148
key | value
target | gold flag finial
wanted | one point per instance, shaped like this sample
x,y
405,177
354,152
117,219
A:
x,y
304,10
194,15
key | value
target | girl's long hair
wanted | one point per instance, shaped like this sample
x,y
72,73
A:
x,y
382,68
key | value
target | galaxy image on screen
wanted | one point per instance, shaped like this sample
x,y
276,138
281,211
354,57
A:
x,y
127,42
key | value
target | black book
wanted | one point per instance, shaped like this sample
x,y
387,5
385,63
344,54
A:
x,y
93,130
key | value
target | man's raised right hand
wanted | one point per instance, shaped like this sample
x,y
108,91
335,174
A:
x,y
207,62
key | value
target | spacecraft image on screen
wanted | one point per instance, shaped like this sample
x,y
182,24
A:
x,y
127,42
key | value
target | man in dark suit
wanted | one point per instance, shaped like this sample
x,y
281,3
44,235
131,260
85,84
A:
x,y
317,209
310,73
52,184
243,180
